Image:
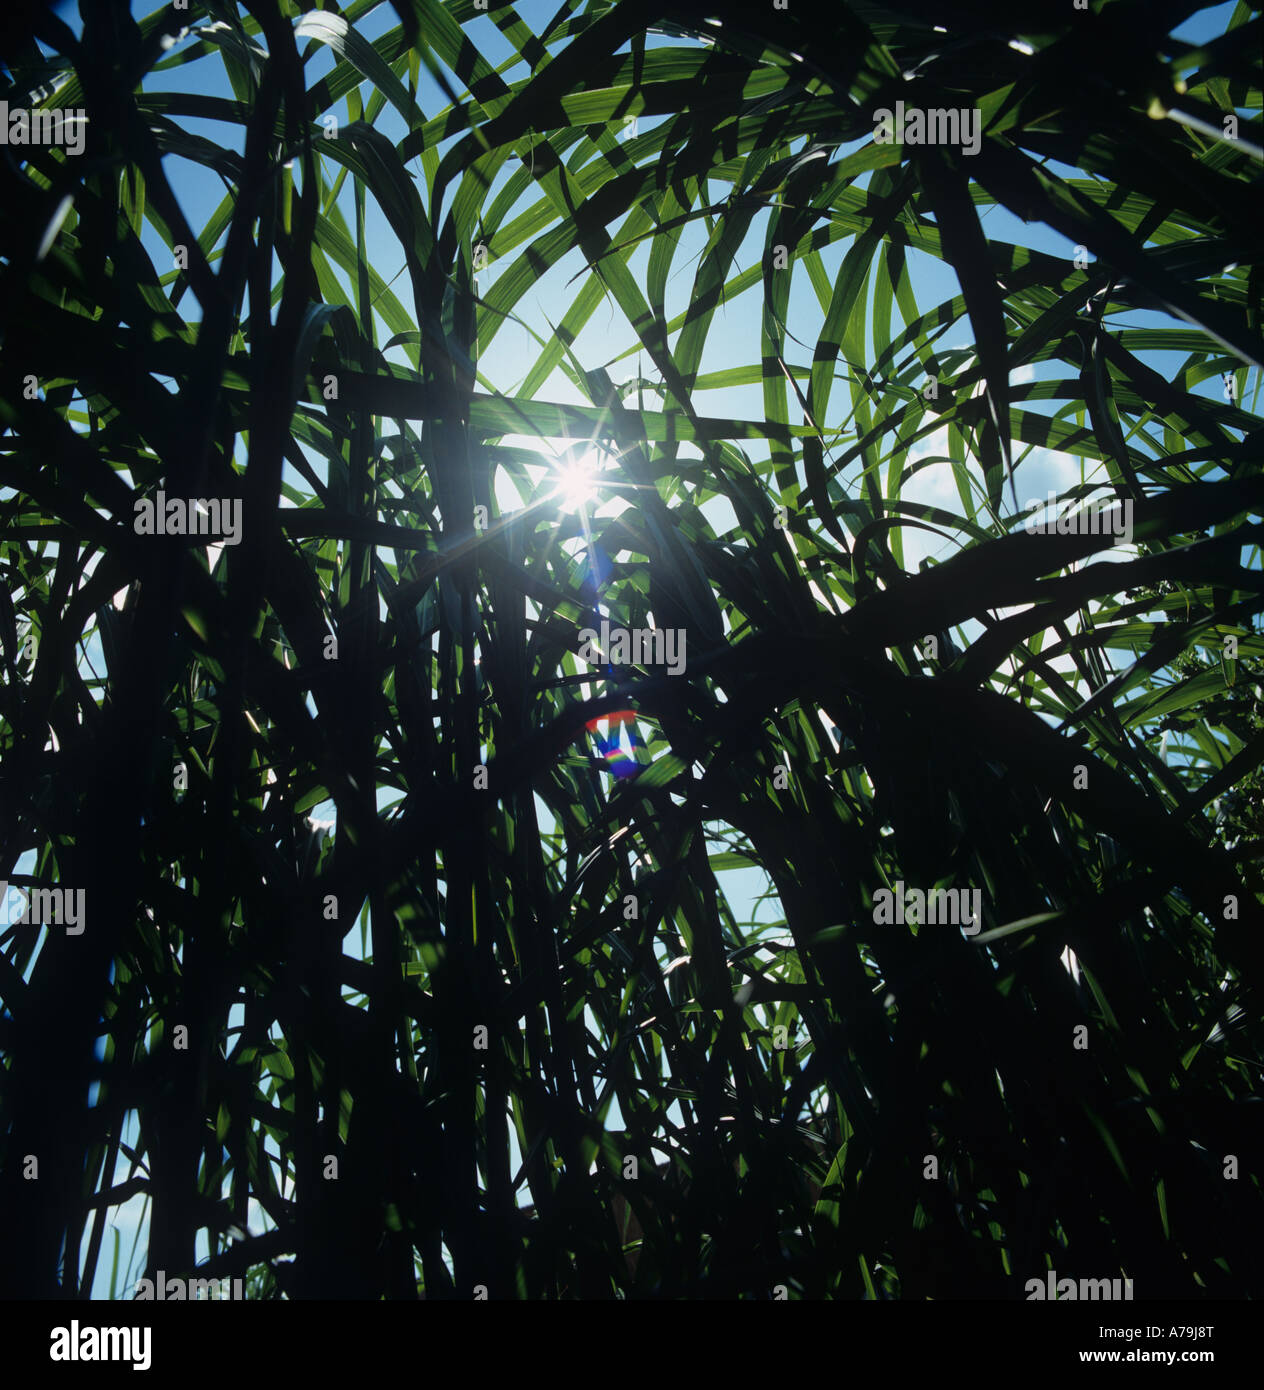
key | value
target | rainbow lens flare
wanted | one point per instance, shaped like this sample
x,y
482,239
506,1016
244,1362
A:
x,y
621,761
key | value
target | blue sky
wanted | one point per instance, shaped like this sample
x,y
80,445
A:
x,y
604,340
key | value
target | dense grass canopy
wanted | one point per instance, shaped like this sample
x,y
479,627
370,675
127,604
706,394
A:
x,y
416,952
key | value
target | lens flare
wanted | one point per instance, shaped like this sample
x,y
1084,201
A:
x,y
620,761
577,482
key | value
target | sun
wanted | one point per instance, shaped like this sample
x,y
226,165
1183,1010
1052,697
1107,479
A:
x,y
576,480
